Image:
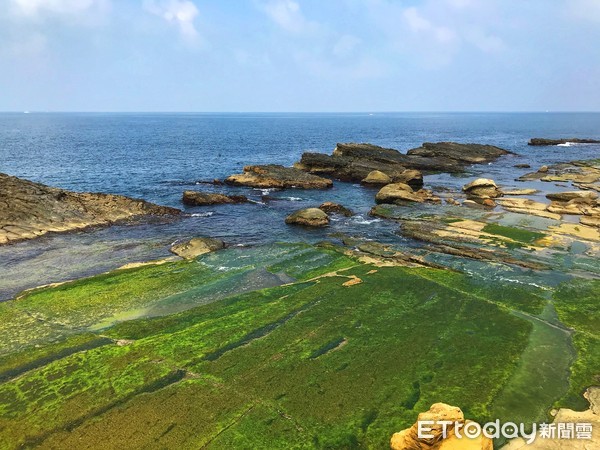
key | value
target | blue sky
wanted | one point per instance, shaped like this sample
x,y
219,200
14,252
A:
x,y
300,55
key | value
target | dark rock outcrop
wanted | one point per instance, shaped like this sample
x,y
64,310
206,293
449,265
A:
x,y
310,217
335,208
355,162
462,153
195,198
547,142
276,176
29,210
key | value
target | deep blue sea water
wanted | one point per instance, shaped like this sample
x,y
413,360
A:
x,y
158,156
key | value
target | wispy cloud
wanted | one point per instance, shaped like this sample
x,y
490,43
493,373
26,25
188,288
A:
x,y
181,13
287,15
34,9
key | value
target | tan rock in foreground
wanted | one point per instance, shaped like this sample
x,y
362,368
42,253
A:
x,y
29,210
409,439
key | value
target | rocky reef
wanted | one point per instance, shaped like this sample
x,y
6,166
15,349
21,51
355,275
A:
x,y
366,162
195,198
29,210
547,142
276,176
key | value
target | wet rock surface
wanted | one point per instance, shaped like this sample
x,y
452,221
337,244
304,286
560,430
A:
x,y
309,217
196,247
548,142
276,176
29,210
195,198
354,162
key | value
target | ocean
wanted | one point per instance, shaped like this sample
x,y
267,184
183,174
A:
x,y
157,156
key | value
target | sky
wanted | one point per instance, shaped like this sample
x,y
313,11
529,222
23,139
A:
x,y
299,55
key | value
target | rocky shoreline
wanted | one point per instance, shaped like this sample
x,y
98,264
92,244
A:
x,y
343,306
30,210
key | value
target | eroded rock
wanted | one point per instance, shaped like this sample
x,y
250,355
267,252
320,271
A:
x,y
195,198
196,247
29,210
276,176
409,439
310,217
335,208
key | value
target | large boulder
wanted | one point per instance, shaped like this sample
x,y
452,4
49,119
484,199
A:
x,y
377,177
29,210
195,198
409,439
276,176
310,217
335,208
464,153
196,247
397,193
481,189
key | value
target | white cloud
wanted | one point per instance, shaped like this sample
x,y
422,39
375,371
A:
x,y
287,15
417,23
181,13
36,8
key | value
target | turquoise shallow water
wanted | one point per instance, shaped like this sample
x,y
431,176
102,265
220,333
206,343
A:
x,y
158,156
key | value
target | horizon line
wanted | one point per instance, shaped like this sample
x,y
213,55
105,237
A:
x,y
34,111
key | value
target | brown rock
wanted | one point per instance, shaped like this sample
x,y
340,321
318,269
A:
x,y
335,208
196,247
195,198
377,177
571,195
409,439
29,210
311,217
395,192
482,188
276,176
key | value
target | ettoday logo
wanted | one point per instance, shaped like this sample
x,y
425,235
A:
x,y
508,430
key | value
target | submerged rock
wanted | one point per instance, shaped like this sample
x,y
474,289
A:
x,y
196,247
335,208
547,142
520,192
29,210
310,217
195,198
409,439
276,176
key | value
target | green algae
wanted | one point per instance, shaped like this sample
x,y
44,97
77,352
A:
x,y
516,234
577,306
307,364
